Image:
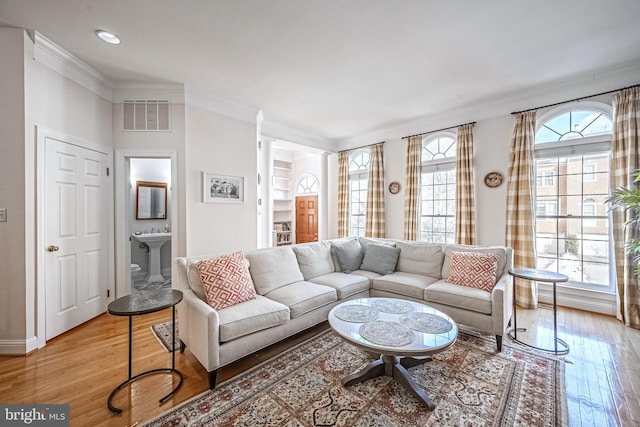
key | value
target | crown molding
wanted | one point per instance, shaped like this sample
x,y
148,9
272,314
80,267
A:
x,y
131,91
271,129
55,57
602,80
220,106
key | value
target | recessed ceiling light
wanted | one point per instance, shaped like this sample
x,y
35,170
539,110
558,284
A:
x,y
107,37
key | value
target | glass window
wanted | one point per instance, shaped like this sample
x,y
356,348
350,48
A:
x,y
574,124
438,189
358,185
572,184
307,185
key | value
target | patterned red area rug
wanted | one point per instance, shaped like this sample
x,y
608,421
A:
x,y
470,383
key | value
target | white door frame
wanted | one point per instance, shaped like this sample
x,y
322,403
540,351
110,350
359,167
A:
x,y
42,134
122,232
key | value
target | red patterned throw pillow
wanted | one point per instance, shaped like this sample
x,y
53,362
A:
x,y
226,280
473,269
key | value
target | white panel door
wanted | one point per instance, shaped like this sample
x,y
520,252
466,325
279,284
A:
x,y
76,225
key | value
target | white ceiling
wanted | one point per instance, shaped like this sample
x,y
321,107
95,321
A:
x,y
337,68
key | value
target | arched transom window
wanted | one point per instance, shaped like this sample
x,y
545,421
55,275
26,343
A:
x,y
307,185
573,124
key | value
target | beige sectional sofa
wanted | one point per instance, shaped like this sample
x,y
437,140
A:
x,y
298,285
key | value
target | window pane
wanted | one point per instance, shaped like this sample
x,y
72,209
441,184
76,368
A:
x,y
451,208
596,272
574,124
572,235
437,192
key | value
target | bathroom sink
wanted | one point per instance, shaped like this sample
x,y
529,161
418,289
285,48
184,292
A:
x,y
153,241
152,237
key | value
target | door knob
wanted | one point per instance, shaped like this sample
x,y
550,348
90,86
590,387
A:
x,y
53,248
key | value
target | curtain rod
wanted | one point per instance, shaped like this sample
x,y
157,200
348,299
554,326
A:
x,y
362,146
438,130
573,100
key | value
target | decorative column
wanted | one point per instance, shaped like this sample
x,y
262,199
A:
x,y
323,198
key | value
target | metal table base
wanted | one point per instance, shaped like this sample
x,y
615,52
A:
x,y
539,276
130,310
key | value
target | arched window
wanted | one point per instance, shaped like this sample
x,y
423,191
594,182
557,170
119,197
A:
x,y
358,185
572,183
574,124
438,188
307,185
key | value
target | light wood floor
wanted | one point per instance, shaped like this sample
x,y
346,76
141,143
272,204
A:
x,y
82,366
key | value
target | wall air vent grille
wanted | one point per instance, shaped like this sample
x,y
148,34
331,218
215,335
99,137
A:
x,y
146,116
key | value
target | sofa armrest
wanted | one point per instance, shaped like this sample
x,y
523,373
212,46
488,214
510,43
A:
x,y
502,303
198,327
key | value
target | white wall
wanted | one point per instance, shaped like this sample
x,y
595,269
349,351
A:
x,y
13,253
219,144
32,95
492,135
492,138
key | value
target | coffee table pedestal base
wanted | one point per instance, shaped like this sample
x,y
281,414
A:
x,y
396,368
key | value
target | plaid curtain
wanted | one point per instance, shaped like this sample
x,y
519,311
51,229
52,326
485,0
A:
x,y
465,205
343,194
374,225
412,187
520,218
625,162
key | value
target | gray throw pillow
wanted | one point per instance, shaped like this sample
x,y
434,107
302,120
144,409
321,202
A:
x,y
380,259
349,254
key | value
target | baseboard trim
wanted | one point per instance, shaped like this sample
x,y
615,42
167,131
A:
x,y
581,299
18,347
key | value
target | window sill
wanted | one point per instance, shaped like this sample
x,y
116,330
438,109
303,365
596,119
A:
x,y
582,299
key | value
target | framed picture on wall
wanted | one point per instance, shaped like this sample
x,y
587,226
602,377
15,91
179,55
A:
x,y
222,188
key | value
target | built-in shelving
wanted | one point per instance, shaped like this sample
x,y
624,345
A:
x,y
282,233
282,202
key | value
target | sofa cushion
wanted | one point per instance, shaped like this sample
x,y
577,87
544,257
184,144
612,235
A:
x,y
364,241
365,273
407,284
344,284
193,278
420,258
251,316
226,280
272,268
473,269
302,297
498,251
463,297
381,259
349,254
314,259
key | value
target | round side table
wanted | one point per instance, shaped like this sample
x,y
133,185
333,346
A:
x,y
139,303
539,276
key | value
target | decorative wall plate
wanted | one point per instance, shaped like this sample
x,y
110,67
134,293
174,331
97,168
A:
x,y
493,179
394,187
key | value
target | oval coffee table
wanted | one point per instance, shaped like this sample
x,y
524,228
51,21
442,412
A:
x,y
404,334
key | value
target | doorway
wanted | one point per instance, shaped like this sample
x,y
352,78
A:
x,y
139,263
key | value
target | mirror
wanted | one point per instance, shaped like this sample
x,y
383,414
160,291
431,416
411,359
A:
x,y
151,200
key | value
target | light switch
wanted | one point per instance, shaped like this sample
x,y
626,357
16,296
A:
x,y
3,215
